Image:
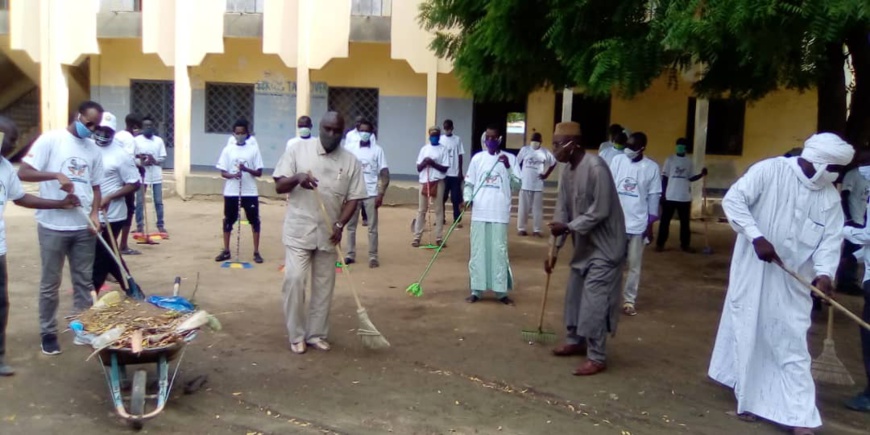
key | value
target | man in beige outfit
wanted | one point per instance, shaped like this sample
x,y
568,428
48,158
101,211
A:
x,y
315,166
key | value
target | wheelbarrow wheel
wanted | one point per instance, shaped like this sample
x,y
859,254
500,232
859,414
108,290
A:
x,y
137,398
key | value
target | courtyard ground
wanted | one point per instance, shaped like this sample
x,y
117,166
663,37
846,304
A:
x,y
453,367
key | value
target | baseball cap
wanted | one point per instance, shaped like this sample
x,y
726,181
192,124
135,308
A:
x,y
109,120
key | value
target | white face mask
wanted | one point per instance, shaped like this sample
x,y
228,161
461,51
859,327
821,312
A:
x,y
536,145
632,154
865,172
241,138
304,132
365,136
823,176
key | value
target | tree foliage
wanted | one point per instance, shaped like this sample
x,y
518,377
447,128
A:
x,y
504,49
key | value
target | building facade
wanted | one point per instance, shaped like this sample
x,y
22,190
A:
x,y
198,65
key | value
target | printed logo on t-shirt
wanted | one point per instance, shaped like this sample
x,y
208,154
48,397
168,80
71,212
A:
x,y
535,163
366,167
680,172
76,169
628,187
492,181
238,162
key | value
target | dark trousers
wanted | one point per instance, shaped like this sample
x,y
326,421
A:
x,y
4,305
453,189
251,205
847,272
865,335
104,264
682,209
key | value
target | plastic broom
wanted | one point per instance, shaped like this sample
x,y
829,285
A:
x,y
369,334
416,289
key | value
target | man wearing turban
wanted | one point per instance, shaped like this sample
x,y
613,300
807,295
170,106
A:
x,y
784,210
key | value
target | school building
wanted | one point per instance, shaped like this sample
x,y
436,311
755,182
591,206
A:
x,y
198,65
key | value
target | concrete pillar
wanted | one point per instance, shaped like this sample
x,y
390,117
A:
x,y
303,60
183,96
699,153
54,89
567,104
432,95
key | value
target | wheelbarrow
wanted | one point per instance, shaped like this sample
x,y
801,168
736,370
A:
x,y
115,362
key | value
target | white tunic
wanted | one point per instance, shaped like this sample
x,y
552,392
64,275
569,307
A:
x,y
761,348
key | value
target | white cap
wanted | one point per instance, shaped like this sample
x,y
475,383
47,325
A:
x,y
110,121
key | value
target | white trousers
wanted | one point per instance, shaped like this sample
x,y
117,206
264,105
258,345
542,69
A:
x,y
635,258
531,200
299,264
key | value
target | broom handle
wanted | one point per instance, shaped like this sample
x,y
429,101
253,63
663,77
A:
x,y
114,245
103,241
338,249
821,294
704,210
830,335
550,259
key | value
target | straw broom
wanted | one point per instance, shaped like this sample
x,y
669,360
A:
x,y
371,337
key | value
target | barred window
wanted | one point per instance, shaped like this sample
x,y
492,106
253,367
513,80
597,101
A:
x,y
226,103
355,102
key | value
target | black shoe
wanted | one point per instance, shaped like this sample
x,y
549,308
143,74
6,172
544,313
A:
x,y
349,261
50,345
257,258
472,299
223,256
506,300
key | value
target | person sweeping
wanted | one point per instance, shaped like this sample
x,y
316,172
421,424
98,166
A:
x,y
489,267
309,241
784,210
588,209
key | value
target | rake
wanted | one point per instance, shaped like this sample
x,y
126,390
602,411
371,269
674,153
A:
x,y
539,335
238,263
368,333
416,289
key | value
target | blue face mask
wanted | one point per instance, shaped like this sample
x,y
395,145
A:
x,y
434,140
365,136
82,131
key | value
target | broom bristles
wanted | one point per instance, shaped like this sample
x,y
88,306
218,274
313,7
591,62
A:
x,y
829,369
371,337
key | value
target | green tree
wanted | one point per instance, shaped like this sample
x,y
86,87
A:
x,y
504,49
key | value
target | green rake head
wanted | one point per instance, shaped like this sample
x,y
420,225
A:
x,y
415,290
538,336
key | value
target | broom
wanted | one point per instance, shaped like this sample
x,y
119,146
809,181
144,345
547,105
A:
x,y
416,289
539,335
134,289
371,337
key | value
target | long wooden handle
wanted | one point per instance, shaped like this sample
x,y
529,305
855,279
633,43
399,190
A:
x,y
830,323
821,294
338,249
550,260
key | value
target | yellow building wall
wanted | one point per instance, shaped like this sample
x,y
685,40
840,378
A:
x,y
540,113
243,61
121,60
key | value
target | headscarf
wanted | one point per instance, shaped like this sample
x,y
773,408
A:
x,y
827,149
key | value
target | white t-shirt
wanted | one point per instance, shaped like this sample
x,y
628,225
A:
x,y
859,191
127,141
604,147
455,148
609,153
353,137
635,182
372,160
118,170
81,161
534,164
678,169
439,154
231,157
155,148
492,203
295,141
10,190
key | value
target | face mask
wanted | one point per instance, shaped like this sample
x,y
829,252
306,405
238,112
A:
x,y
365,136
536,145
102,138
434,140
865,172
492,145
304,132
448,133
240,138
632,154
148,132
823,176
82,131
330,143
619,147
681,149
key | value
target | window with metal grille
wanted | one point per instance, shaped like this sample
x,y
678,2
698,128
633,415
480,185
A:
x,y
156,99
354,102
225,104
725,123
245,6
372,8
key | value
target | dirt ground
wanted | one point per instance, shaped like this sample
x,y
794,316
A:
x,y
453,367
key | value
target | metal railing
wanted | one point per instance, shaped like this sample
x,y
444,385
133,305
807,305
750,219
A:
x,y
372,8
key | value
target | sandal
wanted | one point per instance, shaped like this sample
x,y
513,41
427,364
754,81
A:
x,y
416,243
129,251
628,309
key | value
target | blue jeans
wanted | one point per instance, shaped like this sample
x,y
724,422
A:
x,y
157,193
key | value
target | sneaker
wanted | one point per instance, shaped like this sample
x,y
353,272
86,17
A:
x,y
374,263
223,256
6,370
50,345
628,309
129,251
257,258
140,230
319,344
416,243
440,243
298,348
348,260
522,233
162,230
365,223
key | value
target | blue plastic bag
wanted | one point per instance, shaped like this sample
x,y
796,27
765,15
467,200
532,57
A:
x,y
174,303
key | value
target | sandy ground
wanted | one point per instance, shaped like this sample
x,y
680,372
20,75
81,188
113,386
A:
x,y
453,367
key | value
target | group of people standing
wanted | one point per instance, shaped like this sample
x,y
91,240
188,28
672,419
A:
x,y
89,174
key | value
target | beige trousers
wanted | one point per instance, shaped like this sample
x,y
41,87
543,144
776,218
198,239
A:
x,y
299,264
437,204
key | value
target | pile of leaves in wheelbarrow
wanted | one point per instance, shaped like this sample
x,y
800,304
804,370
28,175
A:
x,y
119,322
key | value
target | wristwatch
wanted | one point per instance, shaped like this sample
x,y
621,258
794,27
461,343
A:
x,y
339,225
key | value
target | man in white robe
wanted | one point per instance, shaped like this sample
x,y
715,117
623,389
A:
x,y
784,209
